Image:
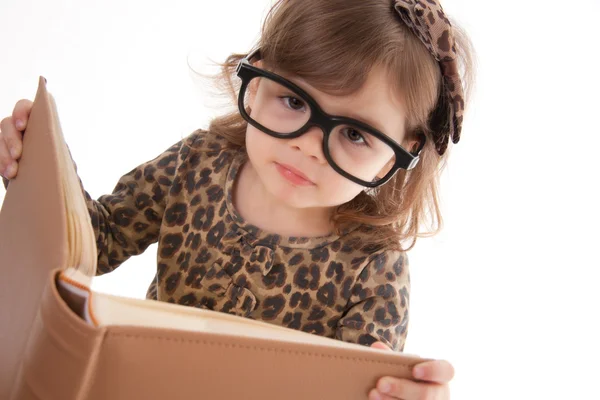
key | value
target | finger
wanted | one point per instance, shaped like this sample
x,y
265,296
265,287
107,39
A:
x,y
380,345
406,389
7,169
12,138
439,371
21,113
374,394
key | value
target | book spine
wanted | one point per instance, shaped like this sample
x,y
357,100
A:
x,y
61,355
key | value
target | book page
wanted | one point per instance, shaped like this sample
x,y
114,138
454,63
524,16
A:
x,y
104,310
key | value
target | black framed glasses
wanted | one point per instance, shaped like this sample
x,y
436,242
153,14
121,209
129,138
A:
x,y
284,110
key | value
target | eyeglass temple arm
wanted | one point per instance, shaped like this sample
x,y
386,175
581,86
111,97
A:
x,y
255,54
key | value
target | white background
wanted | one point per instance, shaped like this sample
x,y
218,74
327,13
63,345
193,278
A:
x,y
507,292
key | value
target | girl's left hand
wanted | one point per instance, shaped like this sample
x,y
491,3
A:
x,y
433,379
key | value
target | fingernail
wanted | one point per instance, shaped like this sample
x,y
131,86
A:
x,y
419,373
9,171
20,124
374,396
384,387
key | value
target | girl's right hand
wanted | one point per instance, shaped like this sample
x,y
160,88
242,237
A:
x,y
11,138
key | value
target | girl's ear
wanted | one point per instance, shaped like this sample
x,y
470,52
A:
x,y
413,145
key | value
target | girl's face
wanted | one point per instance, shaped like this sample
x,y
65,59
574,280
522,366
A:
x,y
295,171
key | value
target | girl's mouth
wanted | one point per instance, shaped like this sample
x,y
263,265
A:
x,y
293,175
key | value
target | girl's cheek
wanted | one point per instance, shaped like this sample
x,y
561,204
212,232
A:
x,y
339,190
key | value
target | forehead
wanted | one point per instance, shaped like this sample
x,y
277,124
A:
x,y
376,103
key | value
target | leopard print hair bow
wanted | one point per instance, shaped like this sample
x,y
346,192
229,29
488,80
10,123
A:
x,y
427,20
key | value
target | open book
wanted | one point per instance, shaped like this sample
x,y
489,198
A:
x,y
59,339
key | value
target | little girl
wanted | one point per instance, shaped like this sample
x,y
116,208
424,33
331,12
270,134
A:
x,y
298,208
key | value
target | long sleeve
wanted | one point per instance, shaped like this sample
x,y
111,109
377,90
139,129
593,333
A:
x,y
128,220
378,306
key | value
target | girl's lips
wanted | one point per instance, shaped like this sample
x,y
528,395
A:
x,y
293,175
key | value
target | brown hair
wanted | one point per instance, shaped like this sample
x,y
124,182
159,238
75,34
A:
x,y
333,45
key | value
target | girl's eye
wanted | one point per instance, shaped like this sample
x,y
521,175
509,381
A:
x,y
293,102
354,136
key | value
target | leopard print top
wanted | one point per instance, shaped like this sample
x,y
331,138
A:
x,y
209,257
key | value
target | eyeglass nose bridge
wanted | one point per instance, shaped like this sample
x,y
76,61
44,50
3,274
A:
x,y
326,125
321,120
325,130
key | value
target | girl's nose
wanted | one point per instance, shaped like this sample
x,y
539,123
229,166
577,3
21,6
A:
x,y
311,144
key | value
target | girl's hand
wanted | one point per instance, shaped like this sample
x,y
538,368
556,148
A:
x,y
11,138
433,377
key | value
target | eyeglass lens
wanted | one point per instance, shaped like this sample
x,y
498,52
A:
x,y
282,110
